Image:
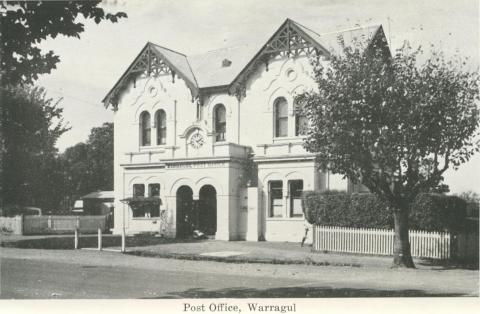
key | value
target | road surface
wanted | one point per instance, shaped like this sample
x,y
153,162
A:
x,y
66,274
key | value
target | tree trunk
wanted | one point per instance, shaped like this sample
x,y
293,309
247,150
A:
x,y
401,244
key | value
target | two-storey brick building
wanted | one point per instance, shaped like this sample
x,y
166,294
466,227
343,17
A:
x,y
217,138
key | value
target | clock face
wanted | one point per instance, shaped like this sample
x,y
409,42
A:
x,y
197,140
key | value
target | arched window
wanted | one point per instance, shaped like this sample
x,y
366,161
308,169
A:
x,y
161,122
145,129
281,117
219,122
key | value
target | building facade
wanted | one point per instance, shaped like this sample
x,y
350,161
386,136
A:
x,y
217,138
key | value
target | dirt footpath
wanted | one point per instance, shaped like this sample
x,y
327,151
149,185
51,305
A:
x,y
420,282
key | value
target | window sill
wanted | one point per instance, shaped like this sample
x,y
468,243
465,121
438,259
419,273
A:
x,y
285,218
289,138
153,147
146,218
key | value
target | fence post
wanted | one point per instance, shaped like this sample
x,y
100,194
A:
x,y
99,239
123,240
22,223
76,238
453,246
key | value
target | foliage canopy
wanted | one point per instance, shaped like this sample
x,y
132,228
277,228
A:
x,y
392,123
24,24
89,166
31,125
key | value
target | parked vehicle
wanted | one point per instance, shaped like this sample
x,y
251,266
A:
x,y
78,207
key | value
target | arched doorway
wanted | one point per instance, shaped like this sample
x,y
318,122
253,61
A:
x,y
207,210
184,211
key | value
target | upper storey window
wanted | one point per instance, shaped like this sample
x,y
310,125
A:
x,y
281,117
301,122
161,122
220,123
145,129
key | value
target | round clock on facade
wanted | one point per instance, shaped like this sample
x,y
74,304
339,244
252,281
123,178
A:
x,y
197,140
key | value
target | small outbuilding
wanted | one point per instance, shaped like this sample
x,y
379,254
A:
x,y
98,203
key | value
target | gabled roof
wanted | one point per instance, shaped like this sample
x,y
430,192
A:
x,y
330,40
224,67
179,62
155,57
208,68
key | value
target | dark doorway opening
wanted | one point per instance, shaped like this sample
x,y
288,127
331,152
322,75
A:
x,y
184,211
207,210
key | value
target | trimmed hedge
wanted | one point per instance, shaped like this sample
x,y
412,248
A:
x,y
346,210
437,212
429,212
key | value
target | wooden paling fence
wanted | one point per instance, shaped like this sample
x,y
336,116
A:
x,y
380,241
56,224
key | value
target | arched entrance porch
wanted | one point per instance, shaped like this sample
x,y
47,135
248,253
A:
x,y
184,211
207,210
198,214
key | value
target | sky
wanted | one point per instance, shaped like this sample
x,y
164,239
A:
x,y
90,66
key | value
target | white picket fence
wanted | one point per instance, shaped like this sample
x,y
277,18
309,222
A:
x,y
380,241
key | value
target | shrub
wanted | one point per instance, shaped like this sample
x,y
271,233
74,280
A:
x,y
437,212
429,212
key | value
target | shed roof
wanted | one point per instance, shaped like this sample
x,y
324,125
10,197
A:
x,y
99,195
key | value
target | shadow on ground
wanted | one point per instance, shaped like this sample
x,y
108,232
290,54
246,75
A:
x,y
449,264
302,292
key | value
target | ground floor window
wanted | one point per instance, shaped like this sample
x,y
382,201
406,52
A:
x,y
276,199
146,207
146,211
138,190
154,190
295,192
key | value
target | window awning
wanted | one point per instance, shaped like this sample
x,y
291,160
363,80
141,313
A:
x,y
136,202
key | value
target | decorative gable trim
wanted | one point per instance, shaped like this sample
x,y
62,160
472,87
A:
x,y
288,40
148,62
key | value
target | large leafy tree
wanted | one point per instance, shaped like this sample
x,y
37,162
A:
x,y
75,172
392,123
89,166
25,110
100,155
31,125
24,24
